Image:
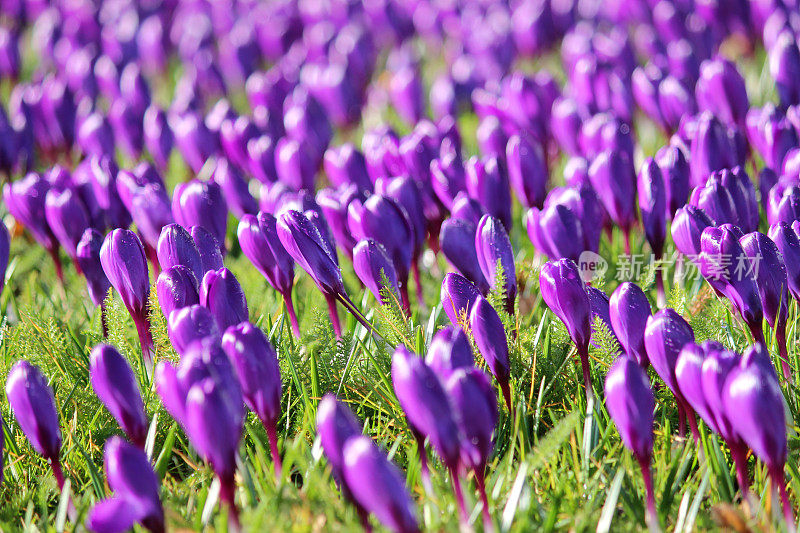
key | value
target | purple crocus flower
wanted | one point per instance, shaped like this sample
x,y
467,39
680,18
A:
x,y
25,200
527,170
493,246
687,228
475,409
491,341
302,240
114,383
565,294
199,203
177,287
630,403
676,175
158,136
771,280
714,147
721,90
204,397
234,189
31,399
67,218
136,492
729,271
652,206
754,403
382,219
448,174
256,364
449,351
457,296
371,263
629,310
87,255
345,165
5,248
190,324
209,248
221,293
377,485
614,180
665,336
176,247
334,204
258,238
488,183
123,260
786,239
457,240
149,207
428,411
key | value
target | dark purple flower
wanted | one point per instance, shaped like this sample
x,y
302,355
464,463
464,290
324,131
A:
x,y
629,310
449,351
334,206
786,239
150,210
176,247
32,402
664,337
675,100
256,364
234,189
87,255
136,492
487,182
377,485
407,193
676,175
405,89
371,263
114,383
721,90
221,293
336,423
344,165
123,260
293,164
714,147
614,181
467,208
177,287
448,174
199,203
193,139
527,170
565,294
565,125
630,403
754,403
687,229
457,240
493,246
457,296
209,248
728,269
784,57
490,338
191,324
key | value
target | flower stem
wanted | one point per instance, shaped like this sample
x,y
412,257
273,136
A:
x,y
462,507
287,300
583,351
145,338
104,319
227,493
739,455
272,435
780,481
488,525
53,251
423,460
418,282
55,466
651,516
780,335
661,295
337,327
404,298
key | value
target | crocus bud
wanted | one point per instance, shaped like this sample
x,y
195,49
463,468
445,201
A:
x,y
123,260
191,324
407,194
788,243
209,248
527,171
652,204
565,294
721,90
176,247
728,270
457,296
490,338
676,174
457,239
427,409
629,310
336,423
377,485
405,89
565,125
334,205
256,364
784,57
614,180
630,403
136,492
66,215
114,383
488,183
689,376
234,189
200,203
345,165
87,255
493,246
665,336
714,147
687,229
675,101
158,136
371,264
176,287
221,293
754,403
31,399
467,208
449,351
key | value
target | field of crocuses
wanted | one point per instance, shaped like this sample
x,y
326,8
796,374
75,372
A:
x,y
406,265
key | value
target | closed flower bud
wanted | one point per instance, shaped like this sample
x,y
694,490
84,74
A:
x,y
493,246
31,399
208,247
457,240
490,338
158,138
629,310
371,264
527,171
721,90
457,296
200,203
114,383
235,189
345,165
488,183
614,180
221,293
176,247
449,351
176,287
191,324
87,255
